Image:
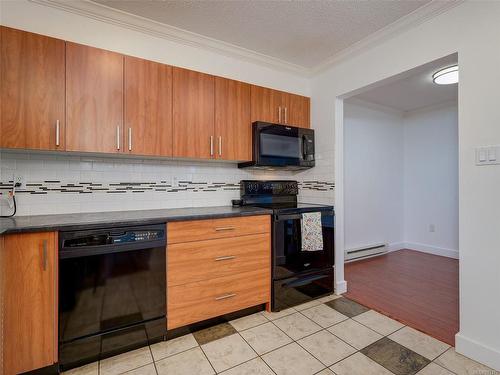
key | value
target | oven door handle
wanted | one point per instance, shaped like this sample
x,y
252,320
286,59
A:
x,y
287,217
282,217
303,281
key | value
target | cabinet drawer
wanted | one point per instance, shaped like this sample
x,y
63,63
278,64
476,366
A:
x,y
194,302
198,230
195,261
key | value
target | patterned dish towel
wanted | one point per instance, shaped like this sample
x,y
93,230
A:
x,y
312,232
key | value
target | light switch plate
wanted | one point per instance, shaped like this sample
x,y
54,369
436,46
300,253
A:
x,y
488,155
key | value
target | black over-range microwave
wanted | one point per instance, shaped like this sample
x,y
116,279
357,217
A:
x,y
281,147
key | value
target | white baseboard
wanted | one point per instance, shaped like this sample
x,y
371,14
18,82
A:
x,y
477,351
396,246
340,287
444,252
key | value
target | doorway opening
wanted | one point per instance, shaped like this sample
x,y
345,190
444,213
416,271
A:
x,y
400,159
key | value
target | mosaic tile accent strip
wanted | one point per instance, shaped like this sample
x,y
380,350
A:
x,y
317,185
87,187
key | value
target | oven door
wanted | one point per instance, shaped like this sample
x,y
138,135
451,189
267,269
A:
x,y
288,257
281,146
300,289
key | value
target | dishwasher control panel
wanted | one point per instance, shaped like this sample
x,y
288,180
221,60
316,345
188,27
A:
x,y
113,236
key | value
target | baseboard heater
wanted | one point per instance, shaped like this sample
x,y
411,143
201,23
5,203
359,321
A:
x,y
366,251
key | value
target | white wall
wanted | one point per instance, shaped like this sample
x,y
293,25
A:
x,y
401,176
373,162
431,180
472,29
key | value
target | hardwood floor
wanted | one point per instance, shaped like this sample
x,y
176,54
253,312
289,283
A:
x,y
417,289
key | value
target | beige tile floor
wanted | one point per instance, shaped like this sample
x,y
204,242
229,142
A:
x,y
313,338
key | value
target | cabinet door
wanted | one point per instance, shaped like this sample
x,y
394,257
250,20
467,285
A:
x,y
267,105
148,107
32,91
29,278
193,114
94,99
233,128
297,110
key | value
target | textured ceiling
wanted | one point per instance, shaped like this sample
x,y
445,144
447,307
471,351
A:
x,y
414,89
305,32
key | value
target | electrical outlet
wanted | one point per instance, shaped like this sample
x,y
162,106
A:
x,y
19,180
432,228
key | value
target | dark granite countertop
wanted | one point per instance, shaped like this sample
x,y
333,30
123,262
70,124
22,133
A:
x,y
97,219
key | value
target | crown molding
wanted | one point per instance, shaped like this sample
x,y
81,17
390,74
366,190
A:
x,y
426,12
103,13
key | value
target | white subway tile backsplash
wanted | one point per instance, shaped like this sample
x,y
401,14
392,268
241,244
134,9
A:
x,y
69,183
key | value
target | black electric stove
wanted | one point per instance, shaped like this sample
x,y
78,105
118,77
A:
x,y
298,276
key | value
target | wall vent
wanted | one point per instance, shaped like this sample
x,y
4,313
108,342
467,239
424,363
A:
x,y
365,252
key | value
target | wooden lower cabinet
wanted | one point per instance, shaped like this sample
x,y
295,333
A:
x,y
212,273
216,258
29,286
194,302
198,230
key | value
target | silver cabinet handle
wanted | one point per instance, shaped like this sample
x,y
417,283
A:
x,y
220,229
211,145
44,255
220,145
130,139
58,133
228,257
118,137
279,114
286,115
225,296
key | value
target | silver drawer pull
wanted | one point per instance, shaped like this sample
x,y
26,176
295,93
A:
x,y
228,257
225,296
220,229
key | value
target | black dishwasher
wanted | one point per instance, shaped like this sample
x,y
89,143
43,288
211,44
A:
x,y
111,291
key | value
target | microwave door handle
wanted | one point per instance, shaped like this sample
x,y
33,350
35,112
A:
x,y
304,147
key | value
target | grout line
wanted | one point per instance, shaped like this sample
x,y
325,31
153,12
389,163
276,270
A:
x,y
182,351
133,369
205,355
152,356
437,364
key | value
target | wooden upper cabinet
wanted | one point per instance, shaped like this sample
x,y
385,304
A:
x,y
29,281
148,107
280,107
298,110
193,114
233,127
266,104
94,99
32,91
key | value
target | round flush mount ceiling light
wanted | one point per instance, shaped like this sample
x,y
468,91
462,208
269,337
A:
x,y
446,76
